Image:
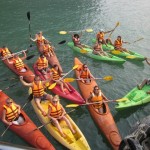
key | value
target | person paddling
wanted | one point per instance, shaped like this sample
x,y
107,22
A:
x,y
38,91
145,82
97,96
5,52
57,113
11,113
84,74
18,62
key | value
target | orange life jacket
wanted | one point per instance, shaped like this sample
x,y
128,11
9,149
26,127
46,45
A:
x,y
11,112
47,49
100,36
42,63
118,43
56,75
38,90
84,74
40,39
18,63
5,52
56,111
96,98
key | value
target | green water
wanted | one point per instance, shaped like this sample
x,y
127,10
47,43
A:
x,y
52,16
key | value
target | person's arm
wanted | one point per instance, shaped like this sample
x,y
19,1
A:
x,y
109,31
4,118
10,62
63,112
105,97
25,56
34,40
88,99
19,108
25,83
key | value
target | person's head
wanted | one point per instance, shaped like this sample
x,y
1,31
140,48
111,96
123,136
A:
x,y
76,35
101,30
4,47
55,99
119,37
96,89
84,67
42,56
46,42
8,101
40,33
37,78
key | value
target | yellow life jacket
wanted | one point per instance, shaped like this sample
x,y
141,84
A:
x,y
38,90
46,49
11,112
42,63
98,98
18,63
56,111
56,75
5,52
40,39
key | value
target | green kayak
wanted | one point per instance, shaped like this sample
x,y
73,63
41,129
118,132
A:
x,y
132,55
135,97
88,52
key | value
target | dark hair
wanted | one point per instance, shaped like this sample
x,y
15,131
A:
x,y
41,55
119,36
54,66
76,35
95,87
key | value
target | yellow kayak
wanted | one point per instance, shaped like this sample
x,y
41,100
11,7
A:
x,y
75,141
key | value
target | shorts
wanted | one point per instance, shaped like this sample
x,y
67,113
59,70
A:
x,y
42,97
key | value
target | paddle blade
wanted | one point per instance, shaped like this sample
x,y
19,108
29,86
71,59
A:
x,y
117,24
29,57
108,78
69,79
72,105
52,86
62,42
62,32
83,51
89,30
131,57
115,52
122,100
28,15
75,67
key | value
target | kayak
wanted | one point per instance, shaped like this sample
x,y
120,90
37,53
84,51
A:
x,y
73,95
105,120
53,60
25,131
9,146
89,52
28,76
73,142
135,97
139,136
130,56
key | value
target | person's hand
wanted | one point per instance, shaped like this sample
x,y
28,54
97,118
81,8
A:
x,y
10,123
44,113
21,77
19,111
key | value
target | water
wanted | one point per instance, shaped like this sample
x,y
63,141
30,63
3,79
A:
x,y
52,16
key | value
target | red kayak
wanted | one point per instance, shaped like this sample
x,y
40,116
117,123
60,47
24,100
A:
x,y
73,95
25,131
104,120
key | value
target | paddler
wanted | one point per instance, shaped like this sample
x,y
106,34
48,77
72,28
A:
x,y
18,62
97,97
56,75
118,44
57,113
5,52
145,82
38,91
12,113
42,65
85,74
100,37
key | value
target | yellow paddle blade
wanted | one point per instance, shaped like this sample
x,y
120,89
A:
x,y
52,86
122,100
115,52
47,84
75,67
89,30
83,51
108,78
117,24
72,105
69,79
63,32
131,57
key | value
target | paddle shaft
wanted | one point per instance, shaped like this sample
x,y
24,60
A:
x,y
114,29
51,120
28,16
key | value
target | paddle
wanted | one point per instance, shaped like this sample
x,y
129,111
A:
x,y
31,56
107,78
76,105
136,40
51,121
54,84
28,100
117,24
67,32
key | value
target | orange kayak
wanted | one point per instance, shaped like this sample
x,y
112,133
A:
x,y
105,120
28,75
52,60
25,131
